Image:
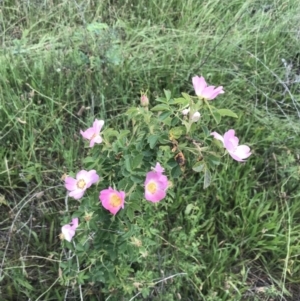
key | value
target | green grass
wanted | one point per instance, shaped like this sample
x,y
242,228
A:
x,y
237,240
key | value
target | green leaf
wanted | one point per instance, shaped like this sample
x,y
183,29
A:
x,y
176,132
198,167
130,213
186,96
164,115
207,178
136,161
212,159
172,163
123,133
176,172
79,247
164,139
167,121
186,124
127,163
135,197
205,130
179,100
88,160
125,184
136,204
133,111
24,283
152,140
227,112
145,292
160,99
168,94
213,111
109,132
161,107
175,121
188,209
217,116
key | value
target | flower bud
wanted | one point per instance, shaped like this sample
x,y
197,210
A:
x,y
185,111
144,100
196,116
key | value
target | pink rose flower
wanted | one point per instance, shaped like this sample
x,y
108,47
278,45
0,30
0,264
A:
x,y
84,179
231,143
158,168
93,133
68,231
112,200
205,91
156,184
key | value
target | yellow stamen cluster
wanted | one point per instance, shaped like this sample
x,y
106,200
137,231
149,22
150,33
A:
x,y
151,187
81,184
115,200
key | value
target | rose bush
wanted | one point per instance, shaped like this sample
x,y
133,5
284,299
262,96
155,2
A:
x,y
169,135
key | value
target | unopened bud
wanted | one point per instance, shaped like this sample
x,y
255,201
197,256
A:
x,y
144,100
185,111
196,116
